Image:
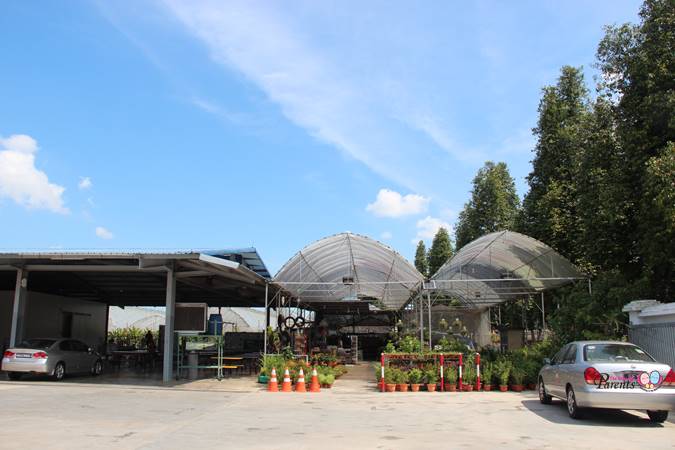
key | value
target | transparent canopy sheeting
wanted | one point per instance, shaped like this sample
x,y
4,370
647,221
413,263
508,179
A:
x,y
502,266
349,267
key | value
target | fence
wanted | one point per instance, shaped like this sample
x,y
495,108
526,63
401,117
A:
x,y
656,339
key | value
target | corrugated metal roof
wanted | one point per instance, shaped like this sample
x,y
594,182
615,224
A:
x,y
349,267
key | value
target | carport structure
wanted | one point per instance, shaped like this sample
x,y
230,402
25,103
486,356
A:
x,y
135,279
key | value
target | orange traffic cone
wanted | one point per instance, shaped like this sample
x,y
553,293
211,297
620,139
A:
x,y
300,384
273,384
314,386
286,385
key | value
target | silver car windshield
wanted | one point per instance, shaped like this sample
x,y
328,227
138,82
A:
x,y
615,353
38,343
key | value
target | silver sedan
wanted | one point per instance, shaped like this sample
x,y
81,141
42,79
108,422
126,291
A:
x,y
52,357
608,374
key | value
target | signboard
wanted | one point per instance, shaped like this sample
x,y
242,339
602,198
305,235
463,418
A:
x,y
190,317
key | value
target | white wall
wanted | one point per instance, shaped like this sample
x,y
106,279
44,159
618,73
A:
x,y
44,317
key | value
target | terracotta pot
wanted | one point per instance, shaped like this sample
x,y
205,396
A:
x,y
450,388
532,386
403,387
415,387
390,387
517,387
431,387
503,388
467,387
487,387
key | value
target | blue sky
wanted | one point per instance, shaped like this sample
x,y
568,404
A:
x,y
208,124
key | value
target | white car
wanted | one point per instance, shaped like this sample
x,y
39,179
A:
x,y
608,374
51,356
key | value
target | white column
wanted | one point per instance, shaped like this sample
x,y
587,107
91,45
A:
x,y
167,369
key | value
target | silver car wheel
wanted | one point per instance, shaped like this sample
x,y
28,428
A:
x,y
570,402
98,368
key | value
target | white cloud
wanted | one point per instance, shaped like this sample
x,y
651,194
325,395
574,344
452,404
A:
x,y
427,228
386,235
312,89
21,181
85,183
392,204
103,233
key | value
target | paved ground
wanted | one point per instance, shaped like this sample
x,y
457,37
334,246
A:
x,y
237,414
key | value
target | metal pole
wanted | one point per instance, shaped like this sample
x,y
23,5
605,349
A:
x,y
267,318
429,305
543,316
19,307
167,368
421,322
590,287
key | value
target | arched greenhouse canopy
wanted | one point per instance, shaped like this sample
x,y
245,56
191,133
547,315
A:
x,y
347,268
502,266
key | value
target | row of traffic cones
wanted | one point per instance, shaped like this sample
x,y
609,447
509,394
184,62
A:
x,y
273,384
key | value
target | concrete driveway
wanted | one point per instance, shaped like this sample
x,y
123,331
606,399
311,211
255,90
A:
x,y
71,415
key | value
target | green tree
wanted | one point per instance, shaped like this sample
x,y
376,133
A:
x,y
549,209
421,262
493,205
637,64
441,250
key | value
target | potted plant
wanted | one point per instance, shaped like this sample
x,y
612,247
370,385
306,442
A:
x,y
503,369
415,376
402,380
487,375
326,380
390,379
517,376
468,374
451,379
532,374
431,378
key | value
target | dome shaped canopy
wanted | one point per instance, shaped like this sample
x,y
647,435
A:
x,y
502,266
349,267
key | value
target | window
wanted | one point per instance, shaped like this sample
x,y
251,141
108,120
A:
x,y
79,346
571,355
615,353
42,344
66,346
557,359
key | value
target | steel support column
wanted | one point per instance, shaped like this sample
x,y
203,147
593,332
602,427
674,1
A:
x,y
167,368
19,307
267,317
429,306
421,303
543,316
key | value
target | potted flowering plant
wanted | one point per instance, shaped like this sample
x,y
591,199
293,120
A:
x,y
503,370
487,375
390,379
415,376
402,380
451,379
517,376
431,378
468,374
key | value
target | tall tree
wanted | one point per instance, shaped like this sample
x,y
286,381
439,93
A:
x,y
493,205
441,250
637,64
549,209
421,262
